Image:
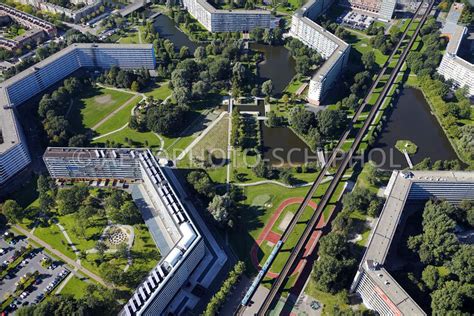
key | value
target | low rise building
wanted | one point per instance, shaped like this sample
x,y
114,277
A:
x,y
235,20
13,92
332,48
38,29
377,288
75,14
188,263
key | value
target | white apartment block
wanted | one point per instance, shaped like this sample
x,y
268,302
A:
x,y
187,262
373,282
16,90
332,48
455,68
382,9
236,20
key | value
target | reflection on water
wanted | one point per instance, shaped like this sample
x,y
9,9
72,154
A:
x,y
167,29
411,119
278,65
282,146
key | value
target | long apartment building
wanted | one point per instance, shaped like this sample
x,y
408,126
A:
x,y
167,290
452,66
235,20
37,28
382,9
76,15
377,288
333,49
13,92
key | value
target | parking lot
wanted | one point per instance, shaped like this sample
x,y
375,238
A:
x,y
44,278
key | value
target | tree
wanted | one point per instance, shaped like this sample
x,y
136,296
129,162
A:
x,y
463,264
368,59
302,120
267,88
135,86
451,299
262,169
272,119
127,214
79,140
331,122
165,119
200,53
201,182
430,276
219,208
69,200
12,211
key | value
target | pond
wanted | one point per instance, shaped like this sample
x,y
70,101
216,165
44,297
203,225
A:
x,y
411,119
167,29
278,65
281,146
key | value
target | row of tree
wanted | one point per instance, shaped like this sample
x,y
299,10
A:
x,y
220,297
134,80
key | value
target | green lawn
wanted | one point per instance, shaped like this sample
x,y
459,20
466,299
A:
x,y
159,91
94,105
53,236
119,119
137,139
75,287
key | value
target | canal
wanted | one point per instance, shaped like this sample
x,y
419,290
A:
x,y
282,147
167,29
411,119
278,65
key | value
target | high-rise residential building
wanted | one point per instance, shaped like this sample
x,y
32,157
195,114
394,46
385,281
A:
x,y
454,67
13,151
332,48
187,263
373,281
235,20
381,9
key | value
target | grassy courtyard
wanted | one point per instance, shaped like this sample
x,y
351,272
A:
x,y
94,105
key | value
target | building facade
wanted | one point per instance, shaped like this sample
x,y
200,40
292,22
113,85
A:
x,y
16,90
75,15
236,20
333,49
377,288
166,280
382,9
455,68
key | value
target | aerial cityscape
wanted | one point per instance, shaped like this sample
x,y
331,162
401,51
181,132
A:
x,y
236,157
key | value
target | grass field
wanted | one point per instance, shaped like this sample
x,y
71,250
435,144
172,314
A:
x,y
94,105
159,91
137,139
53,236
75,287
119,119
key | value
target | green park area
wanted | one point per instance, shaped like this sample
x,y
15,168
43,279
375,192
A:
x,y
101,229
95,104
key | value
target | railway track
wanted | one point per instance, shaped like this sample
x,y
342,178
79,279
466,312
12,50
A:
x,y
279,281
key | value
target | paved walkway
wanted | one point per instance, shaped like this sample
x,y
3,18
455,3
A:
x,y
61,256
268,235
69,241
